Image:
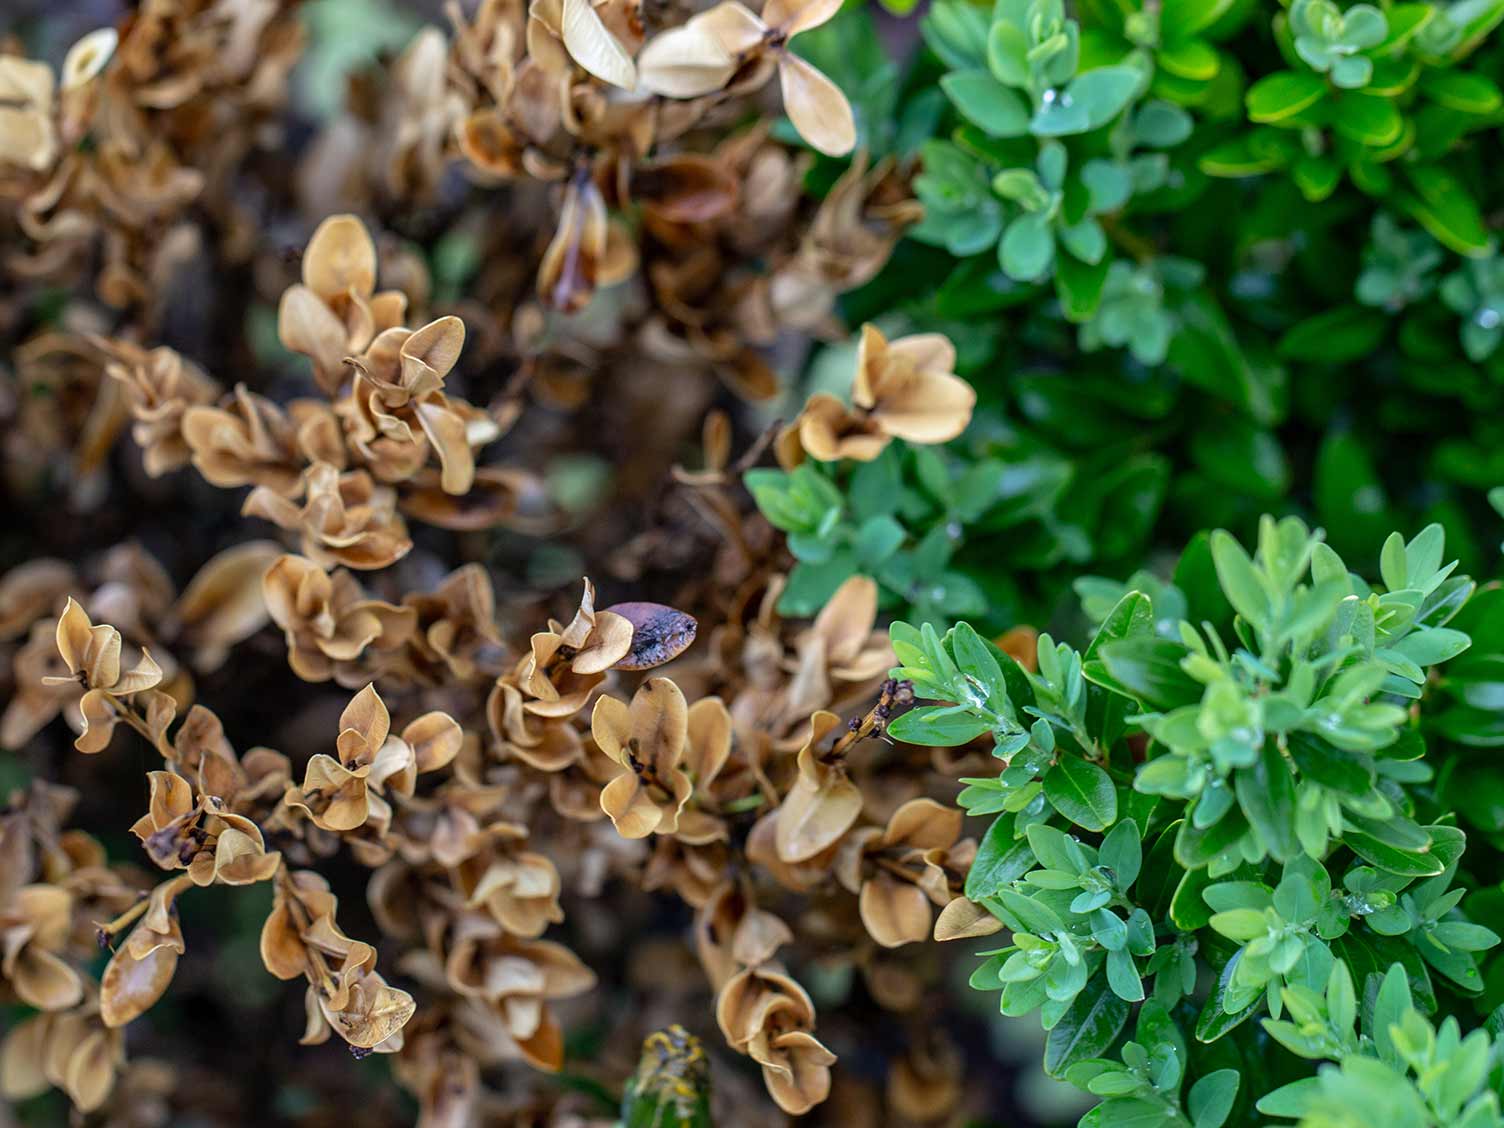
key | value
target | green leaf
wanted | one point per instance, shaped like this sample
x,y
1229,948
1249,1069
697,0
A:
x,y
994,108
1336,336
1284,94
1131,616
1211,1098
1444,207
1122,852
1008,53
1466,91
1147,668
1181,19
1352,773
937,726
1103,92
1392,859
1390,1004
1266,792
1240,583
1082,792
1369,119
1316,176
1123,977
975,659
1001,859
1087,1029
1079,286
877,539
1028,247
1432,647
1034,916
1290,1100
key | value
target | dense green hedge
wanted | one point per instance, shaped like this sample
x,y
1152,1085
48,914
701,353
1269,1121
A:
x,y
1205,260
1227,850
1202,260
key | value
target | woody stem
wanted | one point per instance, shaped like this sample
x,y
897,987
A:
x,y
105,931
128,714
124,920
893,692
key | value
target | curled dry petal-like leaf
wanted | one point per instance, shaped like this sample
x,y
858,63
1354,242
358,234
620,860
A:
x,y
306,325
609,642
90,1072
796,1070
591,44
735,26
27,135
86,648
544,1049
571,265
223,603
908,387
793,17
814,814
630,808
87,57
685,62
99,715
42,979
377,1012
964,920
282,951
894,912
448,433
660,724
830,431
845,622
130,986
709,743
758,936
659,634
430,353
340,257
647,740
142,676
930,408
816,106
23,1055
686,189
364,725
436,739
924,825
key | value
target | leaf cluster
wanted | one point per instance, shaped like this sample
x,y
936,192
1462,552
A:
x,y
1230,829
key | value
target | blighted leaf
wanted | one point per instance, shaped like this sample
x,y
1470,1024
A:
x,y
659,633
816,106
592,45
815,814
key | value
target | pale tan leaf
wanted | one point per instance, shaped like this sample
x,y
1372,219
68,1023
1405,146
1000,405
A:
x,y
340,257
685,62
816,106
894,912
591,44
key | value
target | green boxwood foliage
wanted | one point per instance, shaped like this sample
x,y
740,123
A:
x,y
1202,259
1229,840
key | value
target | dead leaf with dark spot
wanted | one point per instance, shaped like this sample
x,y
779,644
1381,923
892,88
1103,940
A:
x,y
659,634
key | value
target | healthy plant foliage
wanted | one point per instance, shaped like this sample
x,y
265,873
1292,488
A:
x,y
1211,835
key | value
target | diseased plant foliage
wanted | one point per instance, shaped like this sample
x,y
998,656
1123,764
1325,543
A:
x,y
539,535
